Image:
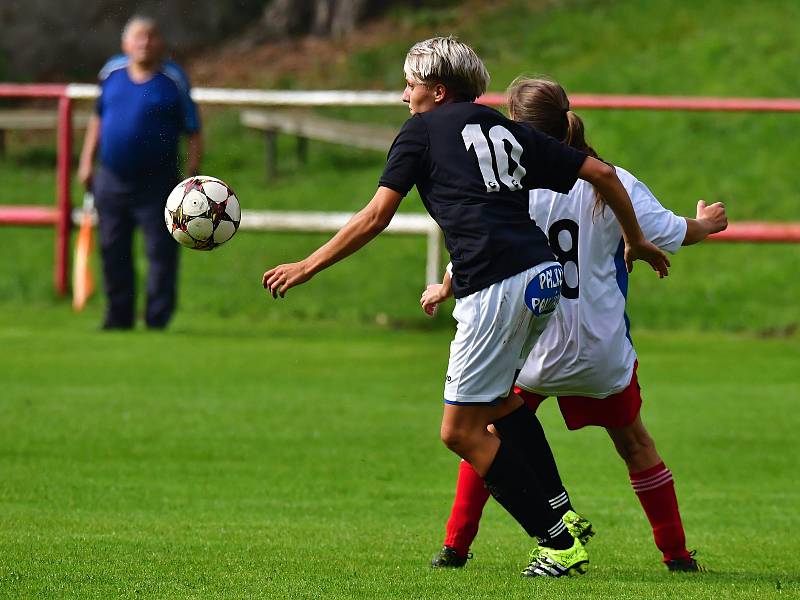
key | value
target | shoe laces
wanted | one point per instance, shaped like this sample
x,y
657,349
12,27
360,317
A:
x,y
535,552
700,567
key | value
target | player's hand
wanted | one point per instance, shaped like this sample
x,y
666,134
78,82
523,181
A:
x,y
278,280
433,295
648,252
713,215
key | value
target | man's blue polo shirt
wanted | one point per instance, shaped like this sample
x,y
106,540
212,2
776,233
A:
x,y
140,123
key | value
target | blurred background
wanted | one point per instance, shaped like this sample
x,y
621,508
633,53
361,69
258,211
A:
x,y
745,49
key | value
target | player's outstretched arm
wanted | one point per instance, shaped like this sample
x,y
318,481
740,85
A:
x,y
710,219
435,294
365,225
604,178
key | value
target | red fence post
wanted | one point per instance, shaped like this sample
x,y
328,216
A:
x,y
63,193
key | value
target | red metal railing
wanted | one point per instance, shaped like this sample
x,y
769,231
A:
x,y
682,103
64,202
759,233
33,90
60,215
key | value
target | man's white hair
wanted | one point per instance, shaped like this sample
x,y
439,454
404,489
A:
x,y
145,20
447,61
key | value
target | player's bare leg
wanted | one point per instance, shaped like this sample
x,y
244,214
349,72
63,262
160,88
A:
x,y
464,430
635,446
652,482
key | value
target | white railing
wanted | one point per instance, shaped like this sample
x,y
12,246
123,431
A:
x,y
266,220
245,97
330,222
419,224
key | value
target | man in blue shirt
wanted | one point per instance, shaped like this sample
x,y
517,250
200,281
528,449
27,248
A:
x,y
143,108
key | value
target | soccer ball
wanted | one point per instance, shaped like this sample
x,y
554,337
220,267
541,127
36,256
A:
x,y
202,213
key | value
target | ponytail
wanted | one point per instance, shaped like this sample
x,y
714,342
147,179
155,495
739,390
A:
x,y
543,104
576,138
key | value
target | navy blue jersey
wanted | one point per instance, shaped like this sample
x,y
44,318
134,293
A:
x,y
140,123
473,168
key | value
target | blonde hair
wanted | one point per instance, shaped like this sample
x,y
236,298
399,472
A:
x,y
447,61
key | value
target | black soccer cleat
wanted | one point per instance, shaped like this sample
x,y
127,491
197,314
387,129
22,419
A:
x,y
448,558
685,565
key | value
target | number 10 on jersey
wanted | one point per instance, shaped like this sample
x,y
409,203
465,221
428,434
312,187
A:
x,y
498,135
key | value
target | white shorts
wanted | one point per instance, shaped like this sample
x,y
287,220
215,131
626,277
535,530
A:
x,y
497,327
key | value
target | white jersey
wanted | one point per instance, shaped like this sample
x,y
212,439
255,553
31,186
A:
x,y
586,348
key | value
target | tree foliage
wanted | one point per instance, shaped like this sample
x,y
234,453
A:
x,y
67,39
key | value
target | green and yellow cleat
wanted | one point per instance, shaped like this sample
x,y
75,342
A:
x,y
549,562
578,527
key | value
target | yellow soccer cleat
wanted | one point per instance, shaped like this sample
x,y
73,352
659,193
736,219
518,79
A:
x,y
549,562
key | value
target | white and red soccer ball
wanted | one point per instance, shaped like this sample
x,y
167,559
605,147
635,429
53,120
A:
x,y
202,213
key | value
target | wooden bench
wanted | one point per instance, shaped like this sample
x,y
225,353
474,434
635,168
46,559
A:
x,y
34,120
307,126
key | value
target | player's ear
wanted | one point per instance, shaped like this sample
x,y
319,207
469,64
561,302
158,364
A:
x,y
439,93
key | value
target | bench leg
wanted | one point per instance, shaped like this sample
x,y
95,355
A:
x,y
271,140
302,150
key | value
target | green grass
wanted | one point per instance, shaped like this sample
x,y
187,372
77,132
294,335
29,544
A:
x,y
237,458
289,448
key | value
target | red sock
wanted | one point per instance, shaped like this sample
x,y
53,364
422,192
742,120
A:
x,y
471,497
656,492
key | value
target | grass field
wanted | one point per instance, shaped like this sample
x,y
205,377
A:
x,y
290,449
233,459
620,46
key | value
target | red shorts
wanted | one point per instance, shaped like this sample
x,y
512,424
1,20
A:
x,y
615,411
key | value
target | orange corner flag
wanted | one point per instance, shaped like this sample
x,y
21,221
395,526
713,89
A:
x,y
82,278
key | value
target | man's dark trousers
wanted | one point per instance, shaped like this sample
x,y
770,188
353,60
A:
x,y
122,204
